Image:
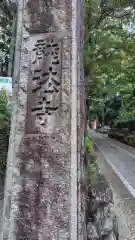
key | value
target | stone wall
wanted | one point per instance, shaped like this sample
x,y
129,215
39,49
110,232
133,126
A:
x,y
102,221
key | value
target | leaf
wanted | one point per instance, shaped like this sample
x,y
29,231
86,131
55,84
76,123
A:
x,y
109,57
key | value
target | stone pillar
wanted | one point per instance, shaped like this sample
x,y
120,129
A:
x,y
41,195
82,191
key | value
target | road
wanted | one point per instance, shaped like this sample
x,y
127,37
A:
x,y
120,158
117,163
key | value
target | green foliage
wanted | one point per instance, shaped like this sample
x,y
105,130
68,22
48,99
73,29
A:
x,y
88,144
109,57
92,167
126,115
5,36
92,171
5,113
110,117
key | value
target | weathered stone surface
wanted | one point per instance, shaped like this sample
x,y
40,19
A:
x,y
45,16
82,191
43,149
43,200
44,83
102,222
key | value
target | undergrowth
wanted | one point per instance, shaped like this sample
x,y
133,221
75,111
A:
x,y
92,167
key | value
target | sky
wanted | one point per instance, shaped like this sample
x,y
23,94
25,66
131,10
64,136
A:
x,y
6,83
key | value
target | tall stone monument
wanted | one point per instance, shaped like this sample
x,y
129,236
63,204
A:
x,y
43,190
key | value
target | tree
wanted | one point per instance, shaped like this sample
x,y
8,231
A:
x,y
109,53
7,8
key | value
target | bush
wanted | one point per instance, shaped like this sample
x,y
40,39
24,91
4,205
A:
x,y
131,140
126,115
4,140
5,111
92,167
88,144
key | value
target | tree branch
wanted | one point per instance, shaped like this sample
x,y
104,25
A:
x,y
123,15
9,6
